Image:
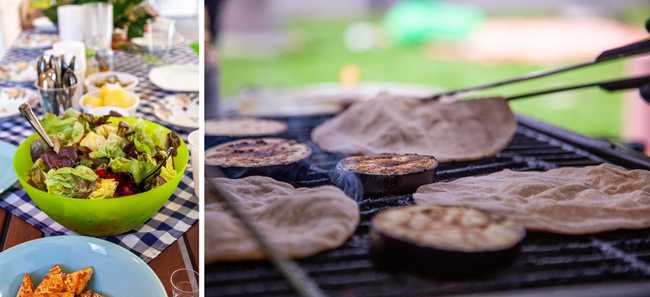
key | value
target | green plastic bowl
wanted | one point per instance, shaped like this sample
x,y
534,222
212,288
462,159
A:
x,y
101,217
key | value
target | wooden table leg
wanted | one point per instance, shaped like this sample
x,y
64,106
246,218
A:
x,y
192,242
20,231
3,216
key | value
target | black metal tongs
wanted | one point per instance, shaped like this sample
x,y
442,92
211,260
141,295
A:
x,y
634,49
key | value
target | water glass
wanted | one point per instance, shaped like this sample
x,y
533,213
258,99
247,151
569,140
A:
x,y
185,283
98,25
160,38
70,20
57,100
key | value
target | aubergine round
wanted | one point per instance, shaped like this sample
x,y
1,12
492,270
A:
x,y
444,241
279,158
384,173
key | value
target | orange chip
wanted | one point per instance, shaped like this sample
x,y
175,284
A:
x,y
27,287
52,283
76,282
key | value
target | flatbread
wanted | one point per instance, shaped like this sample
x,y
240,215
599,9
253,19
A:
x,y
565,200
302,222
449,130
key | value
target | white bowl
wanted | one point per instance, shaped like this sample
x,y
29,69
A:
x,y
104,110
122,76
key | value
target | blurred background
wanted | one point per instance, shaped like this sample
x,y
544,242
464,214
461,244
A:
x,y
259,45
19,15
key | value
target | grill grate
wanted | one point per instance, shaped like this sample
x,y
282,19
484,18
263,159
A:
x,y
545,259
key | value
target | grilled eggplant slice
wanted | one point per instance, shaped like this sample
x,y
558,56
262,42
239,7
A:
x,y
384,173
225,130
444,241
282,159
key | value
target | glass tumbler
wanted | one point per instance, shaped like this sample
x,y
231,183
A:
x,y
57,100
160,38
98,25
185,283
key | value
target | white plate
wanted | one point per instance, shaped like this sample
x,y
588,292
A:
x,y
35,41
121,76
179,111
176,77
12,98
21,71
142,41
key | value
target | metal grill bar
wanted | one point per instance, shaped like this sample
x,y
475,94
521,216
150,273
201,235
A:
x,y
546,259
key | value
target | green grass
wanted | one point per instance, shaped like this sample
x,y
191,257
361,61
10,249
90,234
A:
x,y
320,54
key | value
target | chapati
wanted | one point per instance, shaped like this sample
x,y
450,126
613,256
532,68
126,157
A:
x,y
299,221
459,130
564,200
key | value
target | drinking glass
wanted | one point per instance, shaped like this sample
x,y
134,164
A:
x,y
57,100
185,283
160,38
98,23
70,21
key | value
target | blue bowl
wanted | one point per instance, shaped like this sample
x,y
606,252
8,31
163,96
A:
x,y
118,272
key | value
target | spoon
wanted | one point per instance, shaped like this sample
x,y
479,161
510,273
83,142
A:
x,y
31,117
57,71
71,65
41,65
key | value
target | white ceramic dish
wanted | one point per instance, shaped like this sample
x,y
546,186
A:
x,y
35,41
104,110
12,98
178,110
176,77
21,71
142,41
131,80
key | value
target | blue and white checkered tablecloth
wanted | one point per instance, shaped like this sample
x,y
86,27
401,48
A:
x,y
172,221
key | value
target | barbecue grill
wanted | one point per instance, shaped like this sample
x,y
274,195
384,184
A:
x,y
607,264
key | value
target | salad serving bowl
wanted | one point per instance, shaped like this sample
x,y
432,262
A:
x,y
100,217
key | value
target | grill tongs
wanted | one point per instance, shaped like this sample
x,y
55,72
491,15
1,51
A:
x,y
634,49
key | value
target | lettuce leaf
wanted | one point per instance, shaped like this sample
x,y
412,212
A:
x,y
168,172
67,129
112,148
148,140
37,175
106,129
138,168
75,182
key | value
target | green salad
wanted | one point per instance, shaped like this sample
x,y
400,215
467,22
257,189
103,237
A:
x,y
101,157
